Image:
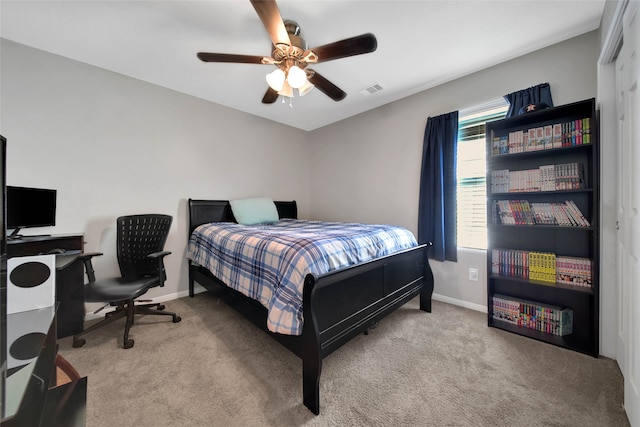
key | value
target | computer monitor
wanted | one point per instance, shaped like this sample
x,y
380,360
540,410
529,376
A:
x,y
30,207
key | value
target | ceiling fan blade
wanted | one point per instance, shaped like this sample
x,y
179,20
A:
x,y
270,16
326,87
229,57
270,96
364,43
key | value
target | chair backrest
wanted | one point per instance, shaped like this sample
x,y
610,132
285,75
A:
x,y
139,236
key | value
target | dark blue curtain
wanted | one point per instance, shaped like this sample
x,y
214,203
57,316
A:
x,y
437,204
540,94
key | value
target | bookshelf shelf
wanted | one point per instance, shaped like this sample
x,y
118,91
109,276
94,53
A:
x,y
543,224
540,154
534,193
571,342
555,285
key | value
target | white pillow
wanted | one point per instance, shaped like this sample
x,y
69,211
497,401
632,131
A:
x,y
254,211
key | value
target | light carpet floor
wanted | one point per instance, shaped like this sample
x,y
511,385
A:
x,y
445,368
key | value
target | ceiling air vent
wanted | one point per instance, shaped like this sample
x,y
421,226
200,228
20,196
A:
x,y
374,88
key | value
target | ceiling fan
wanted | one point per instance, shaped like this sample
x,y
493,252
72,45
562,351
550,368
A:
x,y
291,56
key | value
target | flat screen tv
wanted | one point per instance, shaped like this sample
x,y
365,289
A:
x,y
30,207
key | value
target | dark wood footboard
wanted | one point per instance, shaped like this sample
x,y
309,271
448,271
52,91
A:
x,y
342,304
336,306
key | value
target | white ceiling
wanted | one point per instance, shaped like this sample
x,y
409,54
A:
x,y
421,44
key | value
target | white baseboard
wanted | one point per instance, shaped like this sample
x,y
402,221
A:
x,y
460,303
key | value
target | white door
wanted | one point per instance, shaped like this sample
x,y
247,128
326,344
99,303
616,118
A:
x,y
628,109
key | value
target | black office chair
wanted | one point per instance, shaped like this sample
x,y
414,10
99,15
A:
x,y
140,252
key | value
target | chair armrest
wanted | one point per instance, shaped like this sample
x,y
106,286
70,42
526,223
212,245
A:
x,y
162,274
88,266
160,254
89,255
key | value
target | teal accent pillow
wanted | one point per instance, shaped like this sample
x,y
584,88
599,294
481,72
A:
x,y
254,211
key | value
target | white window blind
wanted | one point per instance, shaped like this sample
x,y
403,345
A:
x,y
471,216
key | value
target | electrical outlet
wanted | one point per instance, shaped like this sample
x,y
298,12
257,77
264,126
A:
x,y
473,274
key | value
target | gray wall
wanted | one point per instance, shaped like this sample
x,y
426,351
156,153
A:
x,y
113,145
367,168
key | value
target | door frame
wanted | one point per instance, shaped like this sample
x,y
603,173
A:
x,y
606,105
622,331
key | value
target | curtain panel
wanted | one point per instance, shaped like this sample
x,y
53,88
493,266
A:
x,y
437,204
534,95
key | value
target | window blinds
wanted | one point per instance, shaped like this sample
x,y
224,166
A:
x,y
471,219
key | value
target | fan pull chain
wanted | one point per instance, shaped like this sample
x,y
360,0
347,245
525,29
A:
x,y
290,101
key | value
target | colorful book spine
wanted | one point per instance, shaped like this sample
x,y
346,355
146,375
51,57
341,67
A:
x,y
543,267
556,135
576,214
511,263
574,271
532,315
565,214
560,177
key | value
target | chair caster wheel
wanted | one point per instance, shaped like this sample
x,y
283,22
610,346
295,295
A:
x,y
161,307
128,344
77,343
176,319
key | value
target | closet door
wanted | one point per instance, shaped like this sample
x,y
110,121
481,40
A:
x,y
628,111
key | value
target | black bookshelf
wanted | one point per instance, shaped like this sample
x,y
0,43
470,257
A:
x,y
521,247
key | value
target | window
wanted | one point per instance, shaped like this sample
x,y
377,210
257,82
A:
x,y
471,216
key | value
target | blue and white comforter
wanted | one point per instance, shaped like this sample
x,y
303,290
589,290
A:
x,y
269,262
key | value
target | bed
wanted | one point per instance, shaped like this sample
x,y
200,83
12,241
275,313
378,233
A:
x,y
336,306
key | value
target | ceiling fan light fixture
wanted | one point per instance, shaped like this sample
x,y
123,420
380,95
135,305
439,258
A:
x,y
276,79
296,77
305,88
286,90
291,56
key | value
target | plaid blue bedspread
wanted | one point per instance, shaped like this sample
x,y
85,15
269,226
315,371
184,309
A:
x,y
269,262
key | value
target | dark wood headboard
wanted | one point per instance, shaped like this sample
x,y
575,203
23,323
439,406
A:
x,y
205,211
